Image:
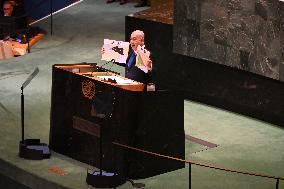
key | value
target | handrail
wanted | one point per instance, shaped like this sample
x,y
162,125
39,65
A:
x,y
199,164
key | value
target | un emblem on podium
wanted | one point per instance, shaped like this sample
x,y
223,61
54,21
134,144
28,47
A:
x,y
88,89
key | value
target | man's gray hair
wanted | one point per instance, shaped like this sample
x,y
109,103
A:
x,y
138,33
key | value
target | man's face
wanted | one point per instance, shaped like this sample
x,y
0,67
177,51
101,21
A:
x,y
7,9
136,40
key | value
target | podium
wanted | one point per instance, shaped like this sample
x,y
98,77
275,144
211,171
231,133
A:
x,y
87,98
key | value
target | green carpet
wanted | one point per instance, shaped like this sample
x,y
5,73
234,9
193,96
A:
x,y
243,143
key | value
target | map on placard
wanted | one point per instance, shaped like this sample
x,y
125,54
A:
x,y
115,50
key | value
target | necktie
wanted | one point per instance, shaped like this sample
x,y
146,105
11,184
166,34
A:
x,y
132,60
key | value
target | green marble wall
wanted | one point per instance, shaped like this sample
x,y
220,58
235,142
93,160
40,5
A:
x,y
245,34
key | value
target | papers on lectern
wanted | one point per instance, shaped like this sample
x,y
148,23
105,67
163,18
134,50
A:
x,y
5,50
115,50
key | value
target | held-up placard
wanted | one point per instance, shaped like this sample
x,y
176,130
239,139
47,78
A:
x,y
115,50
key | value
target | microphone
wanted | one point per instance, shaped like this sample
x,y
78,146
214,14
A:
x,y
28,80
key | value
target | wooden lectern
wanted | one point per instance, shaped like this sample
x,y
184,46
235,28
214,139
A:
x,y
88,100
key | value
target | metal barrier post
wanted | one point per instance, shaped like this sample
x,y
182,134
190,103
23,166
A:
x,y
277,183
189,176
51,24
28,38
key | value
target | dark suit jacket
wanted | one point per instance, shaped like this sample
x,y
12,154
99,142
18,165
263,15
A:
x,y
134,72
18,13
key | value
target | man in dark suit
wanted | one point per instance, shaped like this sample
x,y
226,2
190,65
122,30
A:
x,y
8,8
12,8
134,61
137,68
15,9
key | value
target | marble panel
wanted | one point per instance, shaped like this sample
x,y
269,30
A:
x,y
245,34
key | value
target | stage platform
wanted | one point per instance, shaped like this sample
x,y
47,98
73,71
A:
x,y
260,143
18,173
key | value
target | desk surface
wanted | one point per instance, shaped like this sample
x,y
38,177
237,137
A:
x,y
21,49
104,77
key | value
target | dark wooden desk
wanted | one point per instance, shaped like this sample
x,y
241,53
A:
x,y
20,49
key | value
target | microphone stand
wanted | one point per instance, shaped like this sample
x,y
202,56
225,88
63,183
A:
x,y
31,148
22,114
103,179
51,12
